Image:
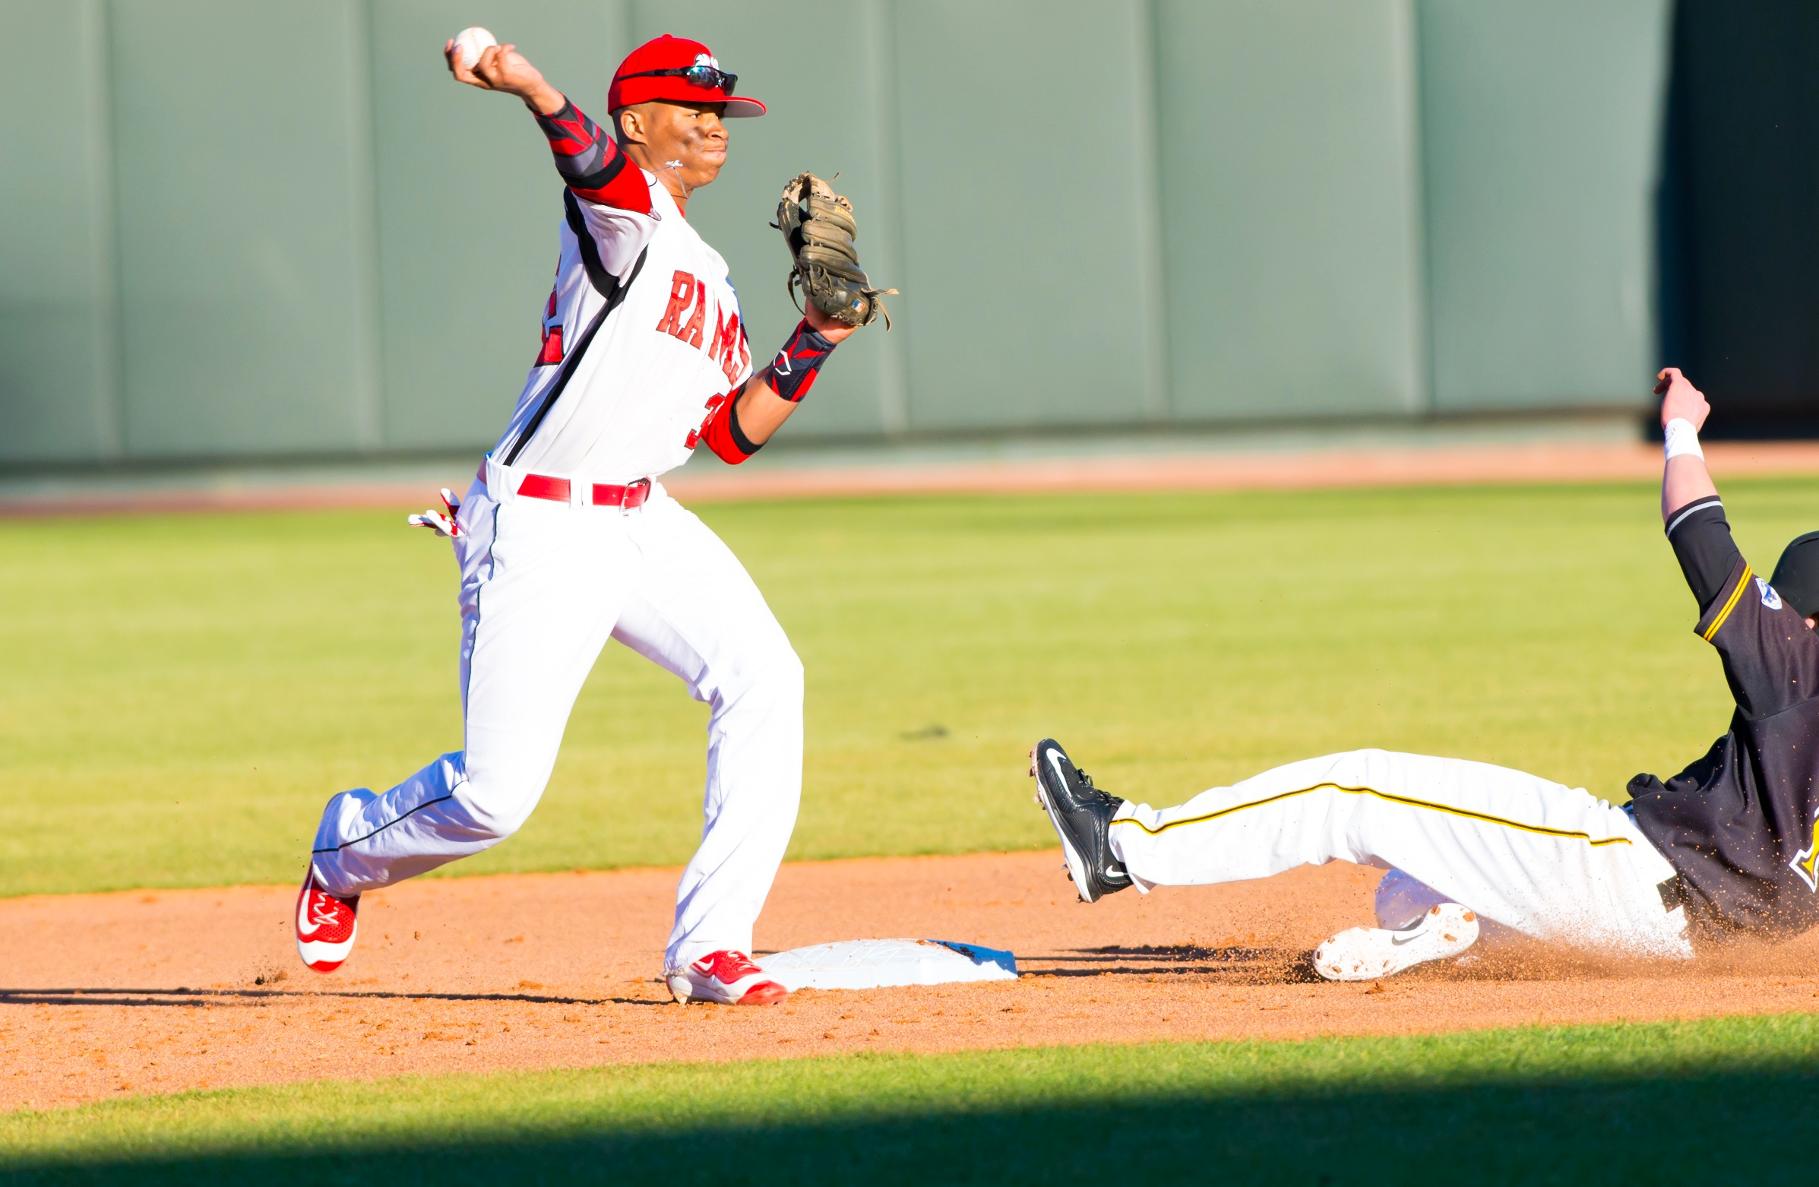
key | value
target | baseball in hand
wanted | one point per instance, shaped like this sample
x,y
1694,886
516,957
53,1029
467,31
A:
x,y
470,41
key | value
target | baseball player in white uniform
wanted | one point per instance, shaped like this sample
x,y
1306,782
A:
x,y
567,538
1728,846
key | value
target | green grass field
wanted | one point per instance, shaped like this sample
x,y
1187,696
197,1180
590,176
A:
x,y
184,692
1713,1102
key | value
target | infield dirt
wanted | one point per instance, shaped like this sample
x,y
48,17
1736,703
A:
x,y
149,992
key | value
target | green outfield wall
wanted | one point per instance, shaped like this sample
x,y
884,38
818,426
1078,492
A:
x,y
244,228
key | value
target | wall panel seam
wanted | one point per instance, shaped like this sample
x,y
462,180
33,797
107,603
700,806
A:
x,y
363,181
112,353
894,401
1148,221
1424,348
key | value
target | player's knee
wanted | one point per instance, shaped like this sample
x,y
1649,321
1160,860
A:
x,y
771,672
1402,899
786,671
495,808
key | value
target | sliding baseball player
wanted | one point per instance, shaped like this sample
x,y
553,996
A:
x,y
1729,845
567,538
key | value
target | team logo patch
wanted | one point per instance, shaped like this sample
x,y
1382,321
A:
x,y
1806,862
1770,598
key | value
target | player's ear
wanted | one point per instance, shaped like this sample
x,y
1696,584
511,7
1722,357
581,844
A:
x,y
632,129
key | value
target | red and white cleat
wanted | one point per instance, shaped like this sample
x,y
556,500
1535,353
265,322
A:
x,y
325,925
728,977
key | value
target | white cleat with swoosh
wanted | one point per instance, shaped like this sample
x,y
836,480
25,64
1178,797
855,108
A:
x,y
1367,953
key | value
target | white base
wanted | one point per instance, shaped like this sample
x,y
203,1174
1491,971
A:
x,y
878,964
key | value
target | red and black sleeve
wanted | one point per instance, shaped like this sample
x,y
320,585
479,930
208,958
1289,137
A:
x,y
723,434
797,365
592,165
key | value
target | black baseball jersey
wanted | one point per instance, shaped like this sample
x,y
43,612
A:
x,y
1741,824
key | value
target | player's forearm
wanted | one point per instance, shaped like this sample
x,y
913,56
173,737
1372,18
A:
x,y
774,391
1684,480
761,411
1684,477
545,99
1696,527
752,417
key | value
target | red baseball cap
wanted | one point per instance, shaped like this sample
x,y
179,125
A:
x,y
677,70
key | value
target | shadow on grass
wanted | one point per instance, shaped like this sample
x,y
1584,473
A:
x,y
1731,1126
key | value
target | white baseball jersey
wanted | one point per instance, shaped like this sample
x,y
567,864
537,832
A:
x,y
642,341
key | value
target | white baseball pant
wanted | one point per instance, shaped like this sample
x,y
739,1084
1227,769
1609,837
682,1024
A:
x,y
1543,859
543,586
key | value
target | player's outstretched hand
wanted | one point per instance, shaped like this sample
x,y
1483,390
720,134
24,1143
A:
x,y
1680,399
440,522
502,68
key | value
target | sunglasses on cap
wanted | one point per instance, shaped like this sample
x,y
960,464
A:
x,y
708,77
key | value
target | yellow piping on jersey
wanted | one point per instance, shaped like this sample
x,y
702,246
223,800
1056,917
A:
x,y
1742,584
1485,818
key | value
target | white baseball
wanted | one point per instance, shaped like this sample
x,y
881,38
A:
x,y
470,41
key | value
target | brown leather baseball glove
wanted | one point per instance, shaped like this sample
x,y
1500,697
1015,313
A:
x,y
818,227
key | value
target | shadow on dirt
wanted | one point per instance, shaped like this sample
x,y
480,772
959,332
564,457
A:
x,y
185,996
1235,963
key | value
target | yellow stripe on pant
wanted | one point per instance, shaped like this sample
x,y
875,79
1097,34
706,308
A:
x,y
1407,801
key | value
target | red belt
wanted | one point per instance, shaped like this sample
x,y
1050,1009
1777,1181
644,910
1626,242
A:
x,y
557,490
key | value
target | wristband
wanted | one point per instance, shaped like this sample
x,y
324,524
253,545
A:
x,y
1681,438
794,369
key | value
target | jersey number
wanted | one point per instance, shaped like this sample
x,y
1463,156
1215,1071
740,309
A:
x,y
713,409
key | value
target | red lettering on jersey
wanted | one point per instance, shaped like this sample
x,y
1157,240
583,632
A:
x,y
726,344
551,354
726,334
691,333
681,289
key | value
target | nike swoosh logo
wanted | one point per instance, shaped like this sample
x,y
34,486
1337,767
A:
x,y
304,927
1054,760
1398,941
1114,870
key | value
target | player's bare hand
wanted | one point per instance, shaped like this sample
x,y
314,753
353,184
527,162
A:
x,y
502,68
1680,399
827,327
